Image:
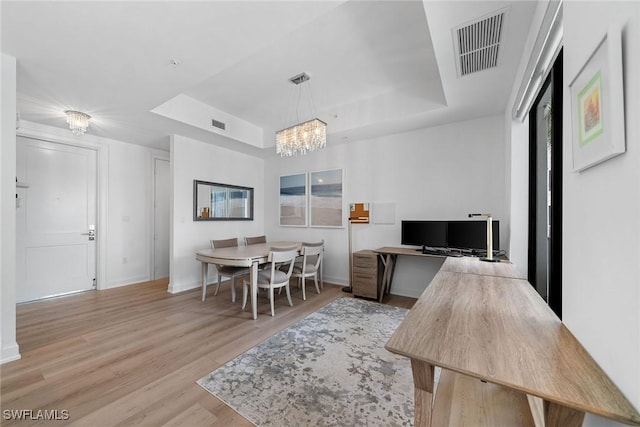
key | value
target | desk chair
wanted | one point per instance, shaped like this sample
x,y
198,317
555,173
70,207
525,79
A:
x,y
226,270
276,275
310,265
255,240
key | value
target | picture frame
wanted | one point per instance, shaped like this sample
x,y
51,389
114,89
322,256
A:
x,y
293,200
326,205
597,105
359,213
213,201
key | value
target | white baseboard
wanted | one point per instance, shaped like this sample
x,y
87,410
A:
x,y
10,353
411,293
336,280
126,282
175,288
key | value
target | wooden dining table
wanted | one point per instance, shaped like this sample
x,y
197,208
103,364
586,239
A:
x,y
241,256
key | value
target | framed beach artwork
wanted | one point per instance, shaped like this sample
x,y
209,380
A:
x,y
597,106
293,200
325,201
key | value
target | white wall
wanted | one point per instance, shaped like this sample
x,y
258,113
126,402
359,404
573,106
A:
x,y
601,268
443,172
519,202
10,350
191,159
130,213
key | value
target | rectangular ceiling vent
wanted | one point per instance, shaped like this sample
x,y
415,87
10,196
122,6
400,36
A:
x,y
217,124
477,44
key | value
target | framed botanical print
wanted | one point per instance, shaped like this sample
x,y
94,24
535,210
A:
x,y
597,105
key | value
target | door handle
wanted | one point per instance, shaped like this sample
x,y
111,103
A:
x,y
91,234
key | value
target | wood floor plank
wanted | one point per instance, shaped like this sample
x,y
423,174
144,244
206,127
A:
x,y
144,399
132,355
196,415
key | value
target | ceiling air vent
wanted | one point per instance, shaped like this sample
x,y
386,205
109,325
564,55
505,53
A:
x,y
478,43
217,124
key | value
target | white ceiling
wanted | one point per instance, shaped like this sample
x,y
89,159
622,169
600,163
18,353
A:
x,y
376,67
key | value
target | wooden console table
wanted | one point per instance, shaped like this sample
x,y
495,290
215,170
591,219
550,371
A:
x,y
497,329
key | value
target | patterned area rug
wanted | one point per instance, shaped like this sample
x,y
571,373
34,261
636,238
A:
x,y
328,369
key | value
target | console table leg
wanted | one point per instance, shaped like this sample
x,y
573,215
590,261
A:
x,y
560,416
423,377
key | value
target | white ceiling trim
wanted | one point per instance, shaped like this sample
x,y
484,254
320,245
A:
x,y
195,113
546,48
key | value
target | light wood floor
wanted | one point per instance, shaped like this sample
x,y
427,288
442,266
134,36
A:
x,y
131,355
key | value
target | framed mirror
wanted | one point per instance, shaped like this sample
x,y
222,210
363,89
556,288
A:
x,y
221,202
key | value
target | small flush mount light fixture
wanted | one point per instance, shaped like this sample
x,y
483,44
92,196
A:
x,y
305,136
78,122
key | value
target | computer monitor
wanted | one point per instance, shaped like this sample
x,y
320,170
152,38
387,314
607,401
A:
x,y
424,233
472,235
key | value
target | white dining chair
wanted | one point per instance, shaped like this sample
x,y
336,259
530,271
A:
x,y
276,274
309,266
225,270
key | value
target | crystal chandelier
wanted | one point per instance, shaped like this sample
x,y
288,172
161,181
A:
x,y
78,122
304,137
301,138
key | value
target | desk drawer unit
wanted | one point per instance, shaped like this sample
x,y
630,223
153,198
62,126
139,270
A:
x,y
365,281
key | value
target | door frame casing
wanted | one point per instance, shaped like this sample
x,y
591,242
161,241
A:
x,y
102,166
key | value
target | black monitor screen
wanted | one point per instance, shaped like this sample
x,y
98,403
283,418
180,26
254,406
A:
x,y
424,233
472,235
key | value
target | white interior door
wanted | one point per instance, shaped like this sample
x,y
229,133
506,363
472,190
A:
x,y
55,215
161,219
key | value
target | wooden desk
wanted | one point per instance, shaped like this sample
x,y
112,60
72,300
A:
x,y
465,264
241,256
389,256
498,329
473,265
